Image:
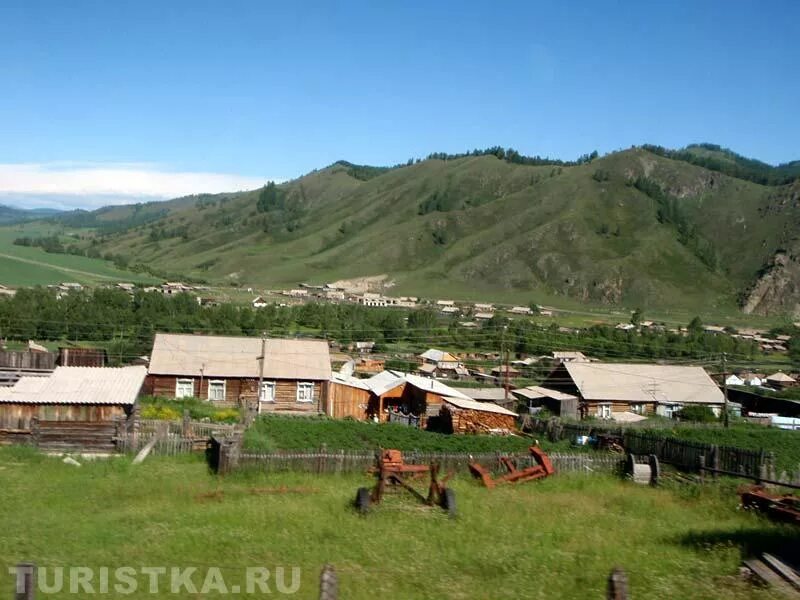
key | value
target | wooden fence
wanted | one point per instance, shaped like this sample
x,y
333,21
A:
x,y
173,437
685,454
342,461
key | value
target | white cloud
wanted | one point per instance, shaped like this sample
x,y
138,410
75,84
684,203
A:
x,y
88,185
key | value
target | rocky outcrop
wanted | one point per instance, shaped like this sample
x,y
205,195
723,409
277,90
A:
x,y
777,290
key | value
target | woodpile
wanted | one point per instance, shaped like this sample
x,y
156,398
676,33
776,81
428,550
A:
x,y
477,421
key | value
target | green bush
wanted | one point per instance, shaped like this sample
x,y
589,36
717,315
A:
x,y
697,414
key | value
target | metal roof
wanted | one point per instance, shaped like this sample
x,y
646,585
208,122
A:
x,y
479,406
533,392
387,380
484,393
78,385
221,356
781,377
644,383
438,356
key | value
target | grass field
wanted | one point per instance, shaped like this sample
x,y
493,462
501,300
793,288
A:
x,y
558,538
26,266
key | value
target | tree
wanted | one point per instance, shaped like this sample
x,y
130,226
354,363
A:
x,y
695,326
534,308
636,317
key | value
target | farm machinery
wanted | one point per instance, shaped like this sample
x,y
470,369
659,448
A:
x,y
542,468
779,507
393,474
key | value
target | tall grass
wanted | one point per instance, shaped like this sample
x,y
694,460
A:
x,y
557,538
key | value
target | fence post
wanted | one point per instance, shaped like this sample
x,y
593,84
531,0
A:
x,y
655,470
26,582
186,428
323,449
617,585
328,584
702,464
35,431
715,461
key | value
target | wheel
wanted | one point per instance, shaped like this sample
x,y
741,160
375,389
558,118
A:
x,y
449,502
362,500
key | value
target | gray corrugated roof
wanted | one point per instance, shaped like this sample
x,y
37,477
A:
x,y
644,383
78,385
221,356
479,406
533,392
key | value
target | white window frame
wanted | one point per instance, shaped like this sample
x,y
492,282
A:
x,y
224,390
305,385
604,410
268,398
639,408
183,381
671,409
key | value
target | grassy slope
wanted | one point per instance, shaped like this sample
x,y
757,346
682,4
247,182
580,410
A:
x,y
558,538
515,233
20,266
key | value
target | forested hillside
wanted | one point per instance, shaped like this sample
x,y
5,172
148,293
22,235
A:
x,y
700,227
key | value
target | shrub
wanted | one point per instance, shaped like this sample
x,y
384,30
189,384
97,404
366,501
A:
x,y
163,413
698,414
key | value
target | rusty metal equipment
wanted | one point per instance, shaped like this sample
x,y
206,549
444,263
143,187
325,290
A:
x,y
393,474
781,508
543,468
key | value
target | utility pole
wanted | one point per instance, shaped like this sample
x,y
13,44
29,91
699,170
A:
x,y
262,360
725,387
503,348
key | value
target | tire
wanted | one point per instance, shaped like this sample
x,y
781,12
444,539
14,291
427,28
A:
x,y
362,500
449,502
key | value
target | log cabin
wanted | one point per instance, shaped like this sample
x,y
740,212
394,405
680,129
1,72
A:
x,y
226,370
630,392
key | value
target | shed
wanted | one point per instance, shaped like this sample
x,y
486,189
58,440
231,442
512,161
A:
x,y
469,416
86,394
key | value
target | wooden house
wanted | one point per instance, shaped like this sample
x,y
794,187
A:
x,y
82,394
781,380
293,374
438,363
625,392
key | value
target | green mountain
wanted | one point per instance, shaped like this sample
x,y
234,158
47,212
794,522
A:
x,y
699,227
10,215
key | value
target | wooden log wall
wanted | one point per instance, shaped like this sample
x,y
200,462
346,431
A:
x,y
18,416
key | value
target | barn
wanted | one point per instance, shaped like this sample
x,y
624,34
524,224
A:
x,y
226,370
88,395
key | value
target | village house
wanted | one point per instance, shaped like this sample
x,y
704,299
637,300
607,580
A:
x,y
502,371
297,293
69,394
483,316
445,303
627,392
569,356
259,302
369,365
175,287
7,291
734,379
227,370
520,310
483,307
781,380
451,310
396,396
438,363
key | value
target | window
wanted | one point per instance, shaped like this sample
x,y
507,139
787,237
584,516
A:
x,y
639,409
604,411
184,388
305,392
671,409
267,391
216,390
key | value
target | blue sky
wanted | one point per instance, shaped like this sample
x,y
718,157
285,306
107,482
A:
x,y
127,99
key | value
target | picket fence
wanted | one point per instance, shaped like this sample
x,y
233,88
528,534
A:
x,y
174,437
334,462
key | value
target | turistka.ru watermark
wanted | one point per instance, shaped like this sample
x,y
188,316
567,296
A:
x,y
156,580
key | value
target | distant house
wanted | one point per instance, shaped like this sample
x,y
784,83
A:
x,y
259,302
617,390
520,310
175,287
484,316
85,394
501,371
445,303
364,347
482,307
293,373
781,380
468,324
438,363
714,329
733,380
451,310
7,291
625,326
126,287
369,365
565,357
297,293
